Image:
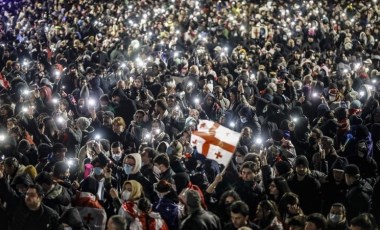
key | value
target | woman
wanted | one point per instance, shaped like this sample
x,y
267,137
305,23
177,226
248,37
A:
x,y
267,216
146,219
289,207
223,207
277,188
132,191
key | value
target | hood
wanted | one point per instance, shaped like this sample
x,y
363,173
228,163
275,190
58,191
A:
x,y
137,158
54,192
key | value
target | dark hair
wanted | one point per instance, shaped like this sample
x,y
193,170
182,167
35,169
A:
x,y
152,153
287,198
38,188
44,178
11,161
162,104
271,210
117,144
226,194
318,132
282,185
318,219
240,207
250,165
365,221
298,221
119,222
59,168
162,159
144,205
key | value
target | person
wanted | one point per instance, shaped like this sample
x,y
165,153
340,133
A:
x,y
239,212
297,223
336,219
305,186
162,167
248,189
277,188
198,218
267,215
30,209
168,204
147,219
364,221
358,196
55,196
316,221
117,222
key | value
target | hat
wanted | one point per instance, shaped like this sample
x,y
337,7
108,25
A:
x,y
83,123
261,67
340,164
109,114
282,167
193,199
301,160
356,104
368,61
352,170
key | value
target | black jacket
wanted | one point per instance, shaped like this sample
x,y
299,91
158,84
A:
x,y
201,220
21,217
358,199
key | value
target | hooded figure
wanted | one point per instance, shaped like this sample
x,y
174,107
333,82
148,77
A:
x,y
210,108
249,119
131,167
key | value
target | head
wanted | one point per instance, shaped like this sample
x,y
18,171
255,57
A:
x,y
162,162
267,210
193,200
59,151
147,155
302,166
132,163
249,170
337,214
239,212
117,150
278,187
11,165
45,180
34,197
132,191
364,221
316,221
118,125
117,222
61,170
351,174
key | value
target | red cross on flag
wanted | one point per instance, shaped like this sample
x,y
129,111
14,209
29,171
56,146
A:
x,y
214,141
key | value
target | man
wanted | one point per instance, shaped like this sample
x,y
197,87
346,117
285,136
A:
x,y
198,218
336,219
117,223
305,186
358,196
239,217
363,222
248,189
162,167
221,99
13,168
147,156
55,196
29,212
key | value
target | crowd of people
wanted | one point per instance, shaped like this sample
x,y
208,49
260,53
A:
x,y
99,99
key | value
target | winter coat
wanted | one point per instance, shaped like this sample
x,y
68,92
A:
x,y
201,220
21,217
358,199
169,211
251,193
308,191
57,199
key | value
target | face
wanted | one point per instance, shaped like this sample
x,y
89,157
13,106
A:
x,y
238,220
139,117
107,121
349,179
337,211
310,226
247,174
273,190
155,128
32,200
117,128
117,151
301,170
130,161
338,175
137,83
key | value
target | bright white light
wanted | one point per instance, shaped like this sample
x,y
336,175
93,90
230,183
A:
x,y
361,93
196,101
232,124
2,138
91,102
55,100
97,137
24,109
259,141
60,120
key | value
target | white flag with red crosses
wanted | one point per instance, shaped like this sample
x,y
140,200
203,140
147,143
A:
x,y
214,141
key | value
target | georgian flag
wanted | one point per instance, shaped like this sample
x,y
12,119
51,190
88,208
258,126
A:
x,y
214,141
